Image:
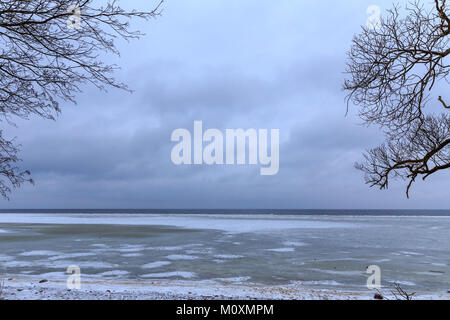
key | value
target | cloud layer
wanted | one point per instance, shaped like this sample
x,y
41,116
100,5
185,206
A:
x,y
231,64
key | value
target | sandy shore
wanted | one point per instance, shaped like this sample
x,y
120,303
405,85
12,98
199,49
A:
x,y
30,289
94,289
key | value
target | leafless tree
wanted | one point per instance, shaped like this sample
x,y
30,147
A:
x,y
394,71
400,294
48,50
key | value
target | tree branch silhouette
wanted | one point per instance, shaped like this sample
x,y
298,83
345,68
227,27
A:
x,y
44,61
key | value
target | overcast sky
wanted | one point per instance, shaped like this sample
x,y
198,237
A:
x,y
232,64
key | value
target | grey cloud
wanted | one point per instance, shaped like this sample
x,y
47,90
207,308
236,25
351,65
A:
x,y
253,64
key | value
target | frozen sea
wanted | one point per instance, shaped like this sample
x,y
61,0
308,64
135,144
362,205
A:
x,y
317,249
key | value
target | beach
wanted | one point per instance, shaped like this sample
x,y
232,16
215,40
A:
x,y
31,289
222,256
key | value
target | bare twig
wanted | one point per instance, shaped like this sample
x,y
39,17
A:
x,y
398,292
2,288
44,61
401,294
443,103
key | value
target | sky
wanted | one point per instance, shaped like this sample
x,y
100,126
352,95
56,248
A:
x,y
231,64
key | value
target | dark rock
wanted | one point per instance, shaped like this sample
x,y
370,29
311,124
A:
x,y
378,296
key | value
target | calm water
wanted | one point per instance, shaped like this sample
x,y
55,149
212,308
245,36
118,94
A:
x,y
320,249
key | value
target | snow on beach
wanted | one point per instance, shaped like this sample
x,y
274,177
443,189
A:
x,y
223,289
